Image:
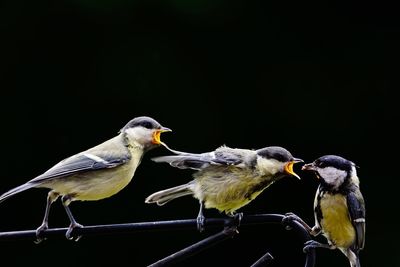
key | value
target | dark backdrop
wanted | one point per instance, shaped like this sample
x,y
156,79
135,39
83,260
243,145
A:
x,y
314,78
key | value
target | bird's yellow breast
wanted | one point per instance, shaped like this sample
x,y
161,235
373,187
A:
x,y
335,223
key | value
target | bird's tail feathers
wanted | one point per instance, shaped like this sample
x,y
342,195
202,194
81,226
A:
x,y
15,191
353,258
164,196
358,262
355,263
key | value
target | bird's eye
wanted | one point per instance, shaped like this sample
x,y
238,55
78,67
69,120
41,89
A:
x,y
147,124
319,164
280,157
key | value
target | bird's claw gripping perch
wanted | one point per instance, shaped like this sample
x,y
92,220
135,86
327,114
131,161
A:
x,y
39,233
289,219
201,220
71,228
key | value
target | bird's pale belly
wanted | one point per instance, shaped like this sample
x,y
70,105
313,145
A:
x,y
94,187
335,223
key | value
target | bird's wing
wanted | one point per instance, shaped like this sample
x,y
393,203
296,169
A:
x,y
186,161
81,163
356,206
222,156
228,156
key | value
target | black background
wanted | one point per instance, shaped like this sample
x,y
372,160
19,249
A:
x,y
315,78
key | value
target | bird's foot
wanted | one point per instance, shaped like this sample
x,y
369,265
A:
x,y
39,233
235,223
68,234
201,220
289,218
312,244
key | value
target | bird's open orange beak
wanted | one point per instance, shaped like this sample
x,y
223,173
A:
x,y
157,135
289,167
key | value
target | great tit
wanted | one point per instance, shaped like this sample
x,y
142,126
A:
x,y
339,207
98,172
227,178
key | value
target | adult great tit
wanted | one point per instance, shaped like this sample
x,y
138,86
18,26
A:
x,y
227,178
339,207
98,172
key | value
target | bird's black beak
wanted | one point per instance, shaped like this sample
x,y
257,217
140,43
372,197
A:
x,y
157,135
309,167
297,160
289,167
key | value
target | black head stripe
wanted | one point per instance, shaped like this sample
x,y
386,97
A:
x,y
334,161
145,122
275,152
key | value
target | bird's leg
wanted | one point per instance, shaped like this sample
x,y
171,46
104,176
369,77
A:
x,y
290,217
310,244
200,218
51,197
66,200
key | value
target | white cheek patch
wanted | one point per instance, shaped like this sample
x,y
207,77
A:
x,y
332,175
269,166
140,134
137,131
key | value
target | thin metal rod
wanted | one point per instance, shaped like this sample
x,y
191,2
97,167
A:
x,y
182,254
141,227
264,260
257,219
111,229
305,236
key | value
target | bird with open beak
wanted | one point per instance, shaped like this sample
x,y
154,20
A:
x,y
227,178
96,173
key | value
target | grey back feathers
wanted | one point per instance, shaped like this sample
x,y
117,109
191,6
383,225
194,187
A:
x,y
221,156
80,163
187,161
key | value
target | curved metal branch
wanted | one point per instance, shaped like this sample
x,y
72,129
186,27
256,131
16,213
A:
x,y
257,219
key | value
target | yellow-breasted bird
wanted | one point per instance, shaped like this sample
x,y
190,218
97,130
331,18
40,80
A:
x,y
227,178
98,172
339,207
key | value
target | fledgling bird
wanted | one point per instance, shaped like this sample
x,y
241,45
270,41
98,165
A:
x,y
339,207
227,178
98,172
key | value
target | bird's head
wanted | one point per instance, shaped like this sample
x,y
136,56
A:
x,y
145,131
332,170
276,160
